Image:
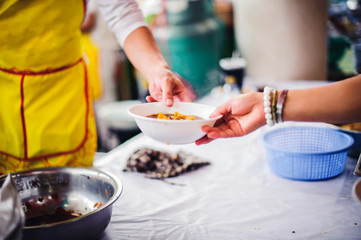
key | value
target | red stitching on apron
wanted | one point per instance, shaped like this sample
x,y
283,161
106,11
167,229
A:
x,y
23,117
46,71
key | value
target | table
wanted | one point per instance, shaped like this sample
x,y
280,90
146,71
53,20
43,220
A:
x,y
235,197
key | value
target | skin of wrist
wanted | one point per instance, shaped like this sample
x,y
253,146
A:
x,y
288,111
156,72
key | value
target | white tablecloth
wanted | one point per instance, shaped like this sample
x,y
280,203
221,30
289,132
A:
x,y
235,197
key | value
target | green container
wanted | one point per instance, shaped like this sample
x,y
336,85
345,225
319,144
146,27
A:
x,y
192,43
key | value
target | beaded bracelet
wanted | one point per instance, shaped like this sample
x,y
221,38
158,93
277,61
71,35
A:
x,y
274,108
269,115
280,103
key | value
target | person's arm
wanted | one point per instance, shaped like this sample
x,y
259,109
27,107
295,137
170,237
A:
x,y
142,50
339,102
127,22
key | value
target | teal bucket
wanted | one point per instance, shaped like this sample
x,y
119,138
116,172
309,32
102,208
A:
x,y
192,43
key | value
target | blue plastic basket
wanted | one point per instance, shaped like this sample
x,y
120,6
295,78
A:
x,y
307,153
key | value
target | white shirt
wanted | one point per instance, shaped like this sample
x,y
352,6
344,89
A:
x,y
123,17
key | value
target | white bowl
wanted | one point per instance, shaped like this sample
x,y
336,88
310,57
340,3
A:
x,y
173,131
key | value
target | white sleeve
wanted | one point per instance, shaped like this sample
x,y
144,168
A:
x,y
122,16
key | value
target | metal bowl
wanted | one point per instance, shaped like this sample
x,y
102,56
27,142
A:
x,y
66,203
355,149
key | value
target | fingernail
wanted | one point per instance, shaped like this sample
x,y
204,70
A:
x,y
169,102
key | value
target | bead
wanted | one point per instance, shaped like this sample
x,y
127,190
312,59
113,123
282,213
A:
x,y
269,114
270,123
267,90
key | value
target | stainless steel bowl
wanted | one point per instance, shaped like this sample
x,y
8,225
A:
x,y
355,149
50,196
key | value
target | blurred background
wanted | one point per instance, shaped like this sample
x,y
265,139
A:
x,y
222,47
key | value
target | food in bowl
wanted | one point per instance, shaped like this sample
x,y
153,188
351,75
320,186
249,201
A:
x,y
173,132
60,214
173,116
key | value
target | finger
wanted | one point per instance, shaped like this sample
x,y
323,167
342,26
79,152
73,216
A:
x,y
203,140
222,109
215,114
182,96
155,94
226,130
213,132
150,99
206,128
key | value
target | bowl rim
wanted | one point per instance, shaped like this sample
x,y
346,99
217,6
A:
x,y
343,129
118,191
355,194
346,147
172,121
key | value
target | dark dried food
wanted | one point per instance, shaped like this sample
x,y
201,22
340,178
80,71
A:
x,y
159,164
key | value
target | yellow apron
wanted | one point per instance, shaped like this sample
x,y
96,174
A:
x,y
46,115
91,53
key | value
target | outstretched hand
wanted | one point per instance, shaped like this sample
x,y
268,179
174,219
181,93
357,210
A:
x,y
143,52
167,88
241,115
